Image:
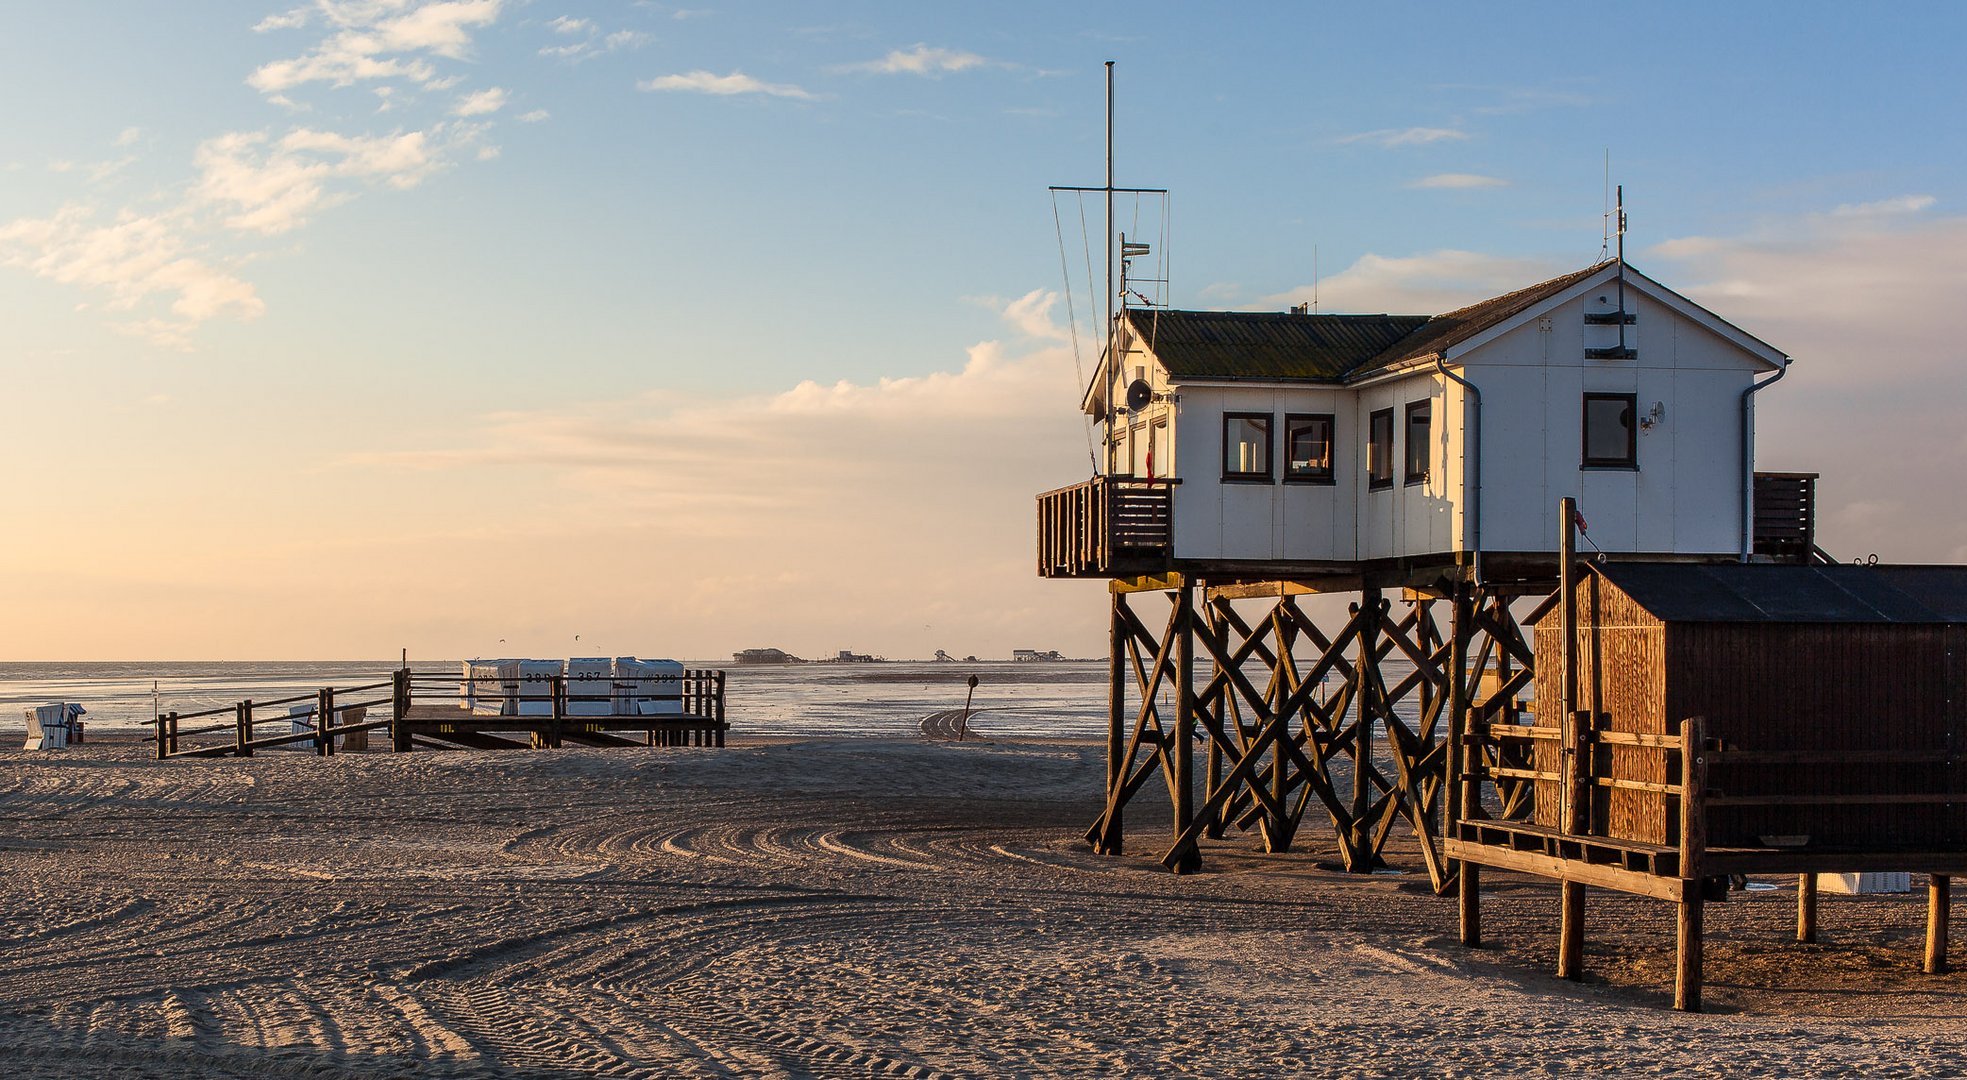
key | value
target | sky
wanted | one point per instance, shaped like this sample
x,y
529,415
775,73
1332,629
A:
x,y
514,327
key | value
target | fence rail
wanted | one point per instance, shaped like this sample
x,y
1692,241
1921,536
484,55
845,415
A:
x,y
424,706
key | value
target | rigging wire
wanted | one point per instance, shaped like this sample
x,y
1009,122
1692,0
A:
x,y
1072,319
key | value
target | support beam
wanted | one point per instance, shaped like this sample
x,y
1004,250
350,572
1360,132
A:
x,y
1470,903
1938,899
1806,908
1189,858
1687,955
1571,933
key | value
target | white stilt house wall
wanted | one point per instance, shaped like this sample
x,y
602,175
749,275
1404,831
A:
x,y
1265,423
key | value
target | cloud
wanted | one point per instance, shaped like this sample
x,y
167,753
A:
x,y
273,186
380,39
828,504
1904,204
129,136
919,60
737,82
480,102
1457,181
1413,136
567,24
1424,284
132,258
534,116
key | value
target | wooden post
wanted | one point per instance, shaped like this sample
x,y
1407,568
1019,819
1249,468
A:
x,y
1465,873
1806,908
324,712
162,746
174,731
242,729
1469,899
1571,931
720,708
399,726
1112,836
1362,744
1570,761
1687,973
1938,898
557,688
1184,734
1687,951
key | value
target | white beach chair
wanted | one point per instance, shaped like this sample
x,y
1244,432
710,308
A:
x,y
590,686
301,719
650,687
536,682
490,686
47,726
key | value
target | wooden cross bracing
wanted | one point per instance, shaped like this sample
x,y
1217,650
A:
x,y
1273,726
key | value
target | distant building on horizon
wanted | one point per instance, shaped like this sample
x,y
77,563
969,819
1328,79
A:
x,y
765,656
1034,655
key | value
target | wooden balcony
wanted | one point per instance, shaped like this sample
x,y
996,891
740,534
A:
x,y
1786,518
1106,527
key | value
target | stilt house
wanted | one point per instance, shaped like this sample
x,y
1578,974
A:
x,y
1261,445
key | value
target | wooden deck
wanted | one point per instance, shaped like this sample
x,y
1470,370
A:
x,y
424,709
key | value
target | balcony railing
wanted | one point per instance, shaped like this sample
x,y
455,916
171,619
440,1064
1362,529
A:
x,y
1786,517
1109,525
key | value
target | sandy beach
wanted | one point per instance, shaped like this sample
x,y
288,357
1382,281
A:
x,y
837,908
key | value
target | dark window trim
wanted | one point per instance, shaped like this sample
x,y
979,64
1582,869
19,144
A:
x,y
1630,460
1231,476
1329,476
1372,421
1407,429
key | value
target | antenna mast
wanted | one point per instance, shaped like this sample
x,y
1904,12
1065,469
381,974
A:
x,y
1111,360
1621,211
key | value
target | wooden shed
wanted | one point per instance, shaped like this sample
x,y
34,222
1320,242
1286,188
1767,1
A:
x,y
1704,721
1834,694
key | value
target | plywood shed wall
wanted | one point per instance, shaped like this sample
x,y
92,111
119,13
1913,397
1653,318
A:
x,y
1847,684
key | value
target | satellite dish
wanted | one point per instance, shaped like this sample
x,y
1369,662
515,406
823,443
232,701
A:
x,y
1139,393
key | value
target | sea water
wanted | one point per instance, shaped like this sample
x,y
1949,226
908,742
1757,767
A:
x,y
1064,699
1059,699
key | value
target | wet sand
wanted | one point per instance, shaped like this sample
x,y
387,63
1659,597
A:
x,y
837,908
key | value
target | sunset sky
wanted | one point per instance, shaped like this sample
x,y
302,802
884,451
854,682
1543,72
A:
x,y
472,326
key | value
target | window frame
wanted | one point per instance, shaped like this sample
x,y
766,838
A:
x,y
1373,420
1630,460
1269,421
1409,476
1327,476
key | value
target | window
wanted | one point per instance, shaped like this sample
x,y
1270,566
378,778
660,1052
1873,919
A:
x,y
1246,446
1308,448
1419,447
1610,440
1379,449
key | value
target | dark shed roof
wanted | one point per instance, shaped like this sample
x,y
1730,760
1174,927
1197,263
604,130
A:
x,y
1327,348
1756,592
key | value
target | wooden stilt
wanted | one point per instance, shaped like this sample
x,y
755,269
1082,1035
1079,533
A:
x,y
1938,898
1362,743
1571,933
1190,858
1470,902
1806,908
1687,953
243,729
1112,835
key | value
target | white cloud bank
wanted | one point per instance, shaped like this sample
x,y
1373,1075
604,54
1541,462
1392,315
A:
x,y
919,59
881,508
734,84
1390,138
182,250
1457,182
